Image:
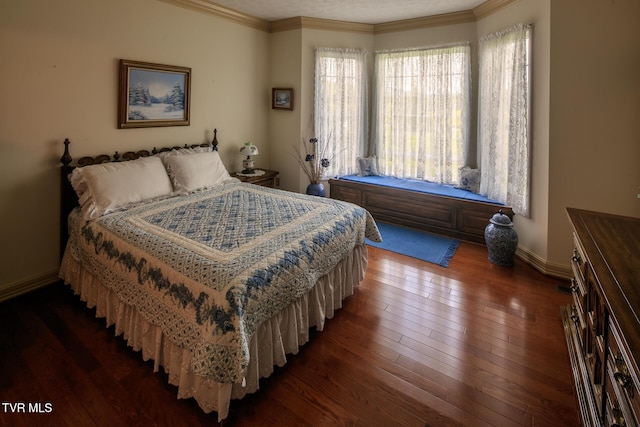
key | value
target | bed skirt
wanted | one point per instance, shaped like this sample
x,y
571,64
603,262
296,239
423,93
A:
x,y
283,334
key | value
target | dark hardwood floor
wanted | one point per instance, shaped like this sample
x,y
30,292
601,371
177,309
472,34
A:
x,y
416,345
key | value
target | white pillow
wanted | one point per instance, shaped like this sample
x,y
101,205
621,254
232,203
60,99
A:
x,y
182,151
107,187
197,171
469,179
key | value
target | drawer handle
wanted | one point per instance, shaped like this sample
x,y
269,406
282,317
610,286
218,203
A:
x,y
618,417
576,257
621,374
574,315
574,285
622,378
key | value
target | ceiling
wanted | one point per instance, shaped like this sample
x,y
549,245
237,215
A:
x,y
360,11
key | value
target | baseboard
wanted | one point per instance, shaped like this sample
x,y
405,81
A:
x,y
547,268
12,290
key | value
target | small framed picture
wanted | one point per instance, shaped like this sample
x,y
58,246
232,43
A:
x,y
153,95
282,99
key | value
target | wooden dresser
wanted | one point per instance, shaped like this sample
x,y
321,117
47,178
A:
x,y
602,325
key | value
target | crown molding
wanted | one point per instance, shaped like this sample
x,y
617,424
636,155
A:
x,y
425,22
211,8
319,24
490,6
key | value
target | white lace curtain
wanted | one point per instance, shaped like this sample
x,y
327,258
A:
x,y
421,116
503,118
341,118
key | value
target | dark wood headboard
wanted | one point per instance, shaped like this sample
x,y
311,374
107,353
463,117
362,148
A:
x,y
68,196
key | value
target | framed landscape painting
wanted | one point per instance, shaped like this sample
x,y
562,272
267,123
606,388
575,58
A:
x,y
282,98
153,95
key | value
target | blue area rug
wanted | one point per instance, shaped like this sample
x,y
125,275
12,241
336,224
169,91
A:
x,y
416,244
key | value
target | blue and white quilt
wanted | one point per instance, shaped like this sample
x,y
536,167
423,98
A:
x,y
210,267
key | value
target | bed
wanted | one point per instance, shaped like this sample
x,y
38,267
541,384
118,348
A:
x,y
213,279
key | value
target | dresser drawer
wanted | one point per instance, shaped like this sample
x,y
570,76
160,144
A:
x,y
622,387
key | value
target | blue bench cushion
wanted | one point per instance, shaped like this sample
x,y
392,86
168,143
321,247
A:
x,y
421,186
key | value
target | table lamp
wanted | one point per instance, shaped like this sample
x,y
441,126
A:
x,y
249,150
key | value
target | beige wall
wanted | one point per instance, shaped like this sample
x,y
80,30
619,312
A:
x,y
594,112
59,79
286,72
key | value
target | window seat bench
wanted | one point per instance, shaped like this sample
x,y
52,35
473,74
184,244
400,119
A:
x,y
437,208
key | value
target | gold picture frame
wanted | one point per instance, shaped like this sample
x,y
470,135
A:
x,y
152,95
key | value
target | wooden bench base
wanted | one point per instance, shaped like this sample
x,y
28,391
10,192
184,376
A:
x,y
448,216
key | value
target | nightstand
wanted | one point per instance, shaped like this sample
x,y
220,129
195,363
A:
x,y
267,179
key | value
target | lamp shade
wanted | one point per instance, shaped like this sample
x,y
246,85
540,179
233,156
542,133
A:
x,y
248,149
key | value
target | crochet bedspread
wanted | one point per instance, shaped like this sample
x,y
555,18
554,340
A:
x,y
212,266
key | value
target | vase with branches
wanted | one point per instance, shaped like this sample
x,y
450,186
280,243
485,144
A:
x,y
313,161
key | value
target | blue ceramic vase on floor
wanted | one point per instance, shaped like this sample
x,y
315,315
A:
x,y
501,239
316,190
